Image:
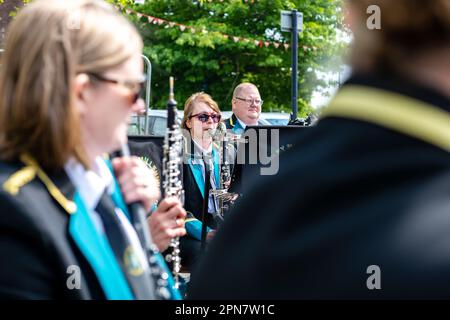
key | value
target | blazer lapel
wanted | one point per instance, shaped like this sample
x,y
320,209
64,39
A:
x,y
97,251
92,244
197,172
237,128
216,160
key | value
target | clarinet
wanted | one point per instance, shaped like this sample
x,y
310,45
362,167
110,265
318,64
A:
x,y
138,219
225,174
172,185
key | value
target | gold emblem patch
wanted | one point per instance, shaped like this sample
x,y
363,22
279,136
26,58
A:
x,y
132,264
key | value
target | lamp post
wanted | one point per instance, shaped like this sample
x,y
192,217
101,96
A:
x,y
292,21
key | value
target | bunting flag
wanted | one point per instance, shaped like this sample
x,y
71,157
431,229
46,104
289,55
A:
x,y
182,27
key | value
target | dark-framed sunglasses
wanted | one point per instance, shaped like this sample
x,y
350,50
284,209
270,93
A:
x,y
204,117
136,87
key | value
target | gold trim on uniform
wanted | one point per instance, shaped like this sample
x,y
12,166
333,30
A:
x,y
406,115
18,179
68,205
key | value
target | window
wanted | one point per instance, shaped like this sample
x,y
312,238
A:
x,y
159,126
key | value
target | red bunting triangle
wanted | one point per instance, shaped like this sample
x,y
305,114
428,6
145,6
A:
x,y
172,24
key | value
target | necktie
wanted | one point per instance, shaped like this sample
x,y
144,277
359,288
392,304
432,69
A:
x,y
127,253
210,178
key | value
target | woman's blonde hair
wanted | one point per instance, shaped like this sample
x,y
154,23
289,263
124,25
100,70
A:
x,y
408,28
47,45
196,98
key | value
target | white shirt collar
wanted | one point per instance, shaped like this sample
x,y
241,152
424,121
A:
x,y
90,183
203,151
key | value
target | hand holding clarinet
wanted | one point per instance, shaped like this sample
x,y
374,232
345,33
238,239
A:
x,y
139,184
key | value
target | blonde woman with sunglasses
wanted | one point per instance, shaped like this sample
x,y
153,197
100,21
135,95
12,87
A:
x,y
201,119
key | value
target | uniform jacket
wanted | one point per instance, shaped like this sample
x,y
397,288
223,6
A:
x,y
362,202
49,245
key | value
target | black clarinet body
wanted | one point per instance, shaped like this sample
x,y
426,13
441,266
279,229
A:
x,y
172,182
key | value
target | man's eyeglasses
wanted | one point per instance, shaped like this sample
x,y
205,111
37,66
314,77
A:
x,y
257,102
204,117
136,87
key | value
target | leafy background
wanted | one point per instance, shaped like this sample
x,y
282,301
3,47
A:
x,y
206,61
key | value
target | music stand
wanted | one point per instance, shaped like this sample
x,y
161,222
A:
x,y
258,149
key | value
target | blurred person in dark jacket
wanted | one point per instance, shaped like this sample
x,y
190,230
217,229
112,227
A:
x,y
363,208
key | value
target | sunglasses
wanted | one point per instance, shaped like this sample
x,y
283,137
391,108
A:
x,y
204,117
136,87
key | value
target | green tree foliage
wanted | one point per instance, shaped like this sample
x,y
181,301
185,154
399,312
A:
x,y
17,5
206,61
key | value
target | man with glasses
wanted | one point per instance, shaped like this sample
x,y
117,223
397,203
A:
x,y
246,106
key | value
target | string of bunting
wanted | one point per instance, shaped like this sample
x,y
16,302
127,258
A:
x,y
170,24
